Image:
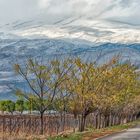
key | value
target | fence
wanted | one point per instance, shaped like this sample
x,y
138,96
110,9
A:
x,y
54,124
31,124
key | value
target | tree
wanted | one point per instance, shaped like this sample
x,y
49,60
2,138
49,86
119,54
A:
x,y
19,106
44,81
120,84
3,106
10,106
73,85
79,84
104,88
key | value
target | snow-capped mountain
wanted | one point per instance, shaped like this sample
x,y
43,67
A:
x,y
48,28
18,50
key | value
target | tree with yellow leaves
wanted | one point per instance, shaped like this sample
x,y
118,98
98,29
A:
x,y
44,82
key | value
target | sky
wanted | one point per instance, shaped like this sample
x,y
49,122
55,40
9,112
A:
x,y
126,10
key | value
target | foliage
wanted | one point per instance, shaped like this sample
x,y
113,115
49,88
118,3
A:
x,y
19,106
67,137
7,105
3,106
81,88
44,82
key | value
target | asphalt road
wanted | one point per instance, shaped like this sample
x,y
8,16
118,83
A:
x,y
130,134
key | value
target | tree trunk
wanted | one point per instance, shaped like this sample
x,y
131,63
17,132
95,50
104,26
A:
x,y
134,117
106,120
115,119
75,124
82,123
110,119
42,123
99,121
96,121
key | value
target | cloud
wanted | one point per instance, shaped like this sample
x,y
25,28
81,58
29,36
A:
x,y
68,7
44,3
11,10
103,9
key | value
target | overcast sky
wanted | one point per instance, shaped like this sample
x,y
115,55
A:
x,y
12,10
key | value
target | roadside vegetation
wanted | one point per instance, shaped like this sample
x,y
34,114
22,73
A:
x,y
91,134
110,91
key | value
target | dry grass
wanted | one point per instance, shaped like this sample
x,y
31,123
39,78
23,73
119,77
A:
x,y
91,134
21,136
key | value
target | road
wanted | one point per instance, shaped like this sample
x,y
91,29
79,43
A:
x,y
130,134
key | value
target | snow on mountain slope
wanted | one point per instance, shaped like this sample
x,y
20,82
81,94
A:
x,y
18,50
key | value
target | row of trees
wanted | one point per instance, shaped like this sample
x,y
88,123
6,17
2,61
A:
x,y
110,90
11,106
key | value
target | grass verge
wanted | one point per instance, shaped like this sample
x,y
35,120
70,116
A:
x,y
92,134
